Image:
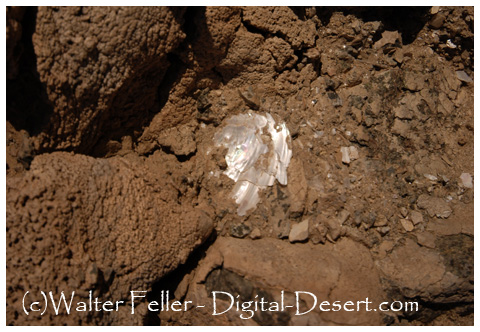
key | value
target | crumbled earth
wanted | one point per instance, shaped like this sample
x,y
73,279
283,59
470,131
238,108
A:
x,y
114,183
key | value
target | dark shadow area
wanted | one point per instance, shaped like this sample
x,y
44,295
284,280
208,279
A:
x,y
406,20
222,280
203,46
427,311
28,106
133,106
171,281
299,12
130,110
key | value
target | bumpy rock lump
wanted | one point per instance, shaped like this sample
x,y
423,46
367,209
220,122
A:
x,y
99,66
107,225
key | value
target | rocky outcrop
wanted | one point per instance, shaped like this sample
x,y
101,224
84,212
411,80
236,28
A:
x,y
101,68
75,223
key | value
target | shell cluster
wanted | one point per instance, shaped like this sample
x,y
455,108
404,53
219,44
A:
x,y
258,153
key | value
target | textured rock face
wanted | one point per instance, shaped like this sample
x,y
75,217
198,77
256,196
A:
x,y
342,272
107,225
282,21
402,268
100,66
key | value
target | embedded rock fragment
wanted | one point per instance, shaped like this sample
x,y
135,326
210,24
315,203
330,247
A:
x,y
349,154
297,187
435,206
407,225
426,239
416,217
434,281
463,76
299,232
466,180
390,38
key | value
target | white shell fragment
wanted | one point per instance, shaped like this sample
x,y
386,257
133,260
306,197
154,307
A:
x,y
466,180
349,154
463,76
254,158
345,155
450,44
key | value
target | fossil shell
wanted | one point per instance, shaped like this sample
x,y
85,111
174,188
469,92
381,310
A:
x,y
258,153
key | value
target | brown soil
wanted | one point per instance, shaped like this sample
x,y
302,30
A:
x,y
114,183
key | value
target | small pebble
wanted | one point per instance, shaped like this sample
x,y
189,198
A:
x,y
255,234
466,180
349,154
334,230
383,230
416,217
386,246
345,155
353,152
426,239
381,221
430,177
343,216
463,76
407,225
445,179
434,10
299,232
450,44
240,230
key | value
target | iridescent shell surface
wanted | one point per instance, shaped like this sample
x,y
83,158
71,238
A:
x,y
258,153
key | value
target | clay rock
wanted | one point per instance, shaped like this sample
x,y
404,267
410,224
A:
x,y
400,127
282,52
388,38
416,217
247,55
466,180
433,282
180,140
343,271
299,232
297,187
407,225
426,239
79,223
215,28
96,76
414,81
435,206
282,21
